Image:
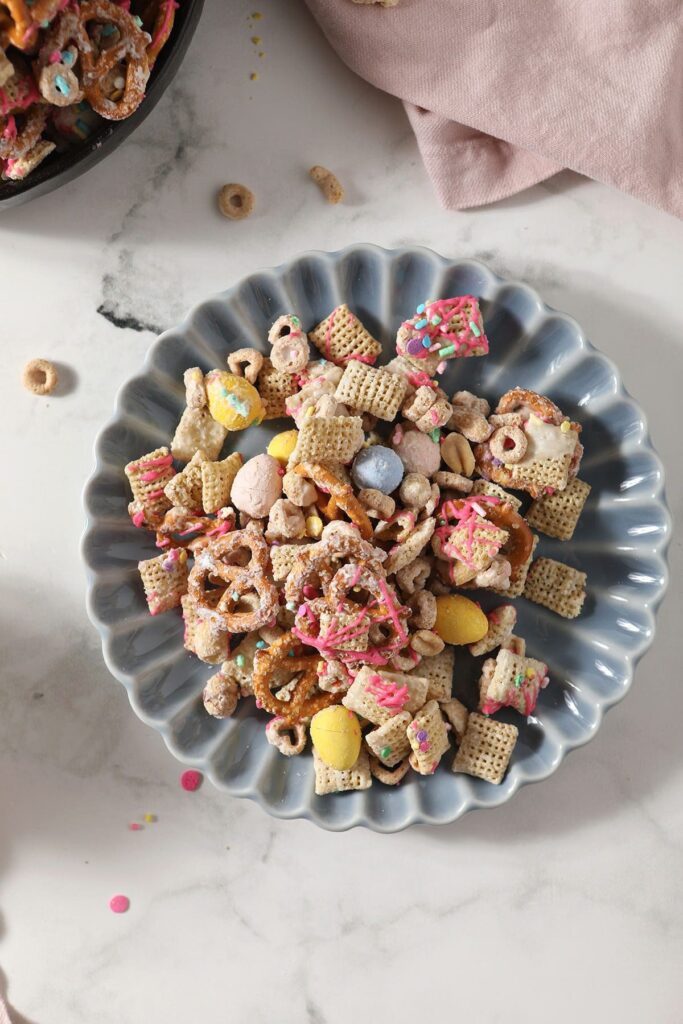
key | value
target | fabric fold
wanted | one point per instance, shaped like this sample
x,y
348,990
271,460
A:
x,y
502,94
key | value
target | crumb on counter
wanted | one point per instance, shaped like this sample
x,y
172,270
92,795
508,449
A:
x,y
328,183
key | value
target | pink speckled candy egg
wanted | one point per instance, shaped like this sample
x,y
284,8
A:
x,y
417,451
257,486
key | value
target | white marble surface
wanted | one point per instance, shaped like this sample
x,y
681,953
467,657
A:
x,y
565,903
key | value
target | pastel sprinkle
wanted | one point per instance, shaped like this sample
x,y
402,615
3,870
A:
x,y
260,644
290,654
475,330
191,780
291,606
426,342
384,752
419,324
150,818
67,58
441,367
62,85
420,308
119,904
135,826
138,20
435,435
253,76
235,596
422,735
448,350
565,426
239,660
256,40
436,320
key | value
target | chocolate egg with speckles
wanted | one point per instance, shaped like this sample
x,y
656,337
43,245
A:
x,y
257,486
377,467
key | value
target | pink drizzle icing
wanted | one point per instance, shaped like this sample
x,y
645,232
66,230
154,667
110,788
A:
x,y
470,515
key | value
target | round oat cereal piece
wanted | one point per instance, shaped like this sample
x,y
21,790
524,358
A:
x,y
40,377
235,201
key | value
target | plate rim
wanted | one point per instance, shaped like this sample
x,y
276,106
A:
x,y
600,707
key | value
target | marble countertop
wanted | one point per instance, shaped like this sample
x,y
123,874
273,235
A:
x,y
564,903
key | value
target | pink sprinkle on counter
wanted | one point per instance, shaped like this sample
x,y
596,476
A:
x,y
191,780
119,904
135,826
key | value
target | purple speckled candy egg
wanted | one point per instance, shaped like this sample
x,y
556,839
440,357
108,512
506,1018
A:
x,y
415,348
417,452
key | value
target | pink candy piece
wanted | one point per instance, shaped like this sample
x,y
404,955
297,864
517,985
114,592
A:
x,y
135,827
191,780
119,904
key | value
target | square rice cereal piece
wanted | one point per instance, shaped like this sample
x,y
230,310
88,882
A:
x,y
515,682
376,391
330,780
428,737
389,742
495,491
197,430
540,474
185,488
516,644
502,621
283,557
164,579
328,439
378,695
216,481
457,714
341,337
275,387
333,625
486,748
148,477
556,586
556,515
518,575
438,671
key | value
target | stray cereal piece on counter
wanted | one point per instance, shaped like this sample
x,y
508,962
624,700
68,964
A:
x,y
40,377
328,183
486,748
236,202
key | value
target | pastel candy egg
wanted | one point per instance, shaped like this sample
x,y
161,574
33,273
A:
x,y
282,445
417,452
377,467
257,486
459,620
336,737
233,401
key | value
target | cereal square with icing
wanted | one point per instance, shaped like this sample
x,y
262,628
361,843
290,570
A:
x,y
536,448
148,476
486,748
428,737
378,695
442,329
389,742
514,682
457,714
164,579
328,439
185,488
341,337
501,621
333,780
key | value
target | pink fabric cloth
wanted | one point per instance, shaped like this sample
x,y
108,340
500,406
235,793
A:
x,y
504,93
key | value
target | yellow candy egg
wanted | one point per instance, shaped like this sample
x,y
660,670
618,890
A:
x,y
282,445
233,401
459,620
336,737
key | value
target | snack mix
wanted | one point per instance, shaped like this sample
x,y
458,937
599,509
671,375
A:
x,y
65,64
328,577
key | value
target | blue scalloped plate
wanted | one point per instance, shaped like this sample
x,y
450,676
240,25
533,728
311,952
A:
x,y
620,541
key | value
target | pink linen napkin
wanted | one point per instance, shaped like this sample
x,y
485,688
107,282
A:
x,y
502,94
